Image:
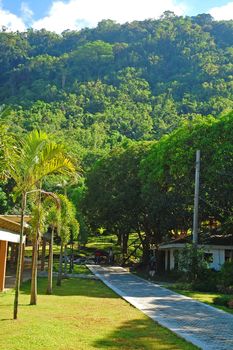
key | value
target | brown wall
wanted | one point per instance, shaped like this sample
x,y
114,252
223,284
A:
x,y
3,256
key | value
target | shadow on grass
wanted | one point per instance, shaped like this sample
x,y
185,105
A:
x,y
72,287
142,334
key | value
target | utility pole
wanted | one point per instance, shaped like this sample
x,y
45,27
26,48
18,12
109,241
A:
x,y
196,198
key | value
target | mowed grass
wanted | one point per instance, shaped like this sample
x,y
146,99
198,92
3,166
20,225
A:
x,y
81,315
78,269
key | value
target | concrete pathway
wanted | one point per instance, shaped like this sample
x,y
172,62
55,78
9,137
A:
x,y
198,323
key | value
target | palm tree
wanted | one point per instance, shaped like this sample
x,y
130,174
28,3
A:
x,y
68,224
35,157
53,220
37,224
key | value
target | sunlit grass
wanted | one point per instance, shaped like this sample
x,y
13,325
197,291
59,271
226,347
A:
x,y
80,315
78,269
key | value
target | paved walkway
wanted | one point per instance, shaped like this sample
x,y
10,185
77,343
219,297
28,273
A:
x,y
202,325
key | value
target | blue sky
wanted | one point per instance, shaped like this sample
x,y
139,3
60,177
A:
x,y
58,15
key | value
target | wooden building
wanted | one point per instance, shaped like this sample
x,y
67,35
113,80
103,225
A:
x,y
9,241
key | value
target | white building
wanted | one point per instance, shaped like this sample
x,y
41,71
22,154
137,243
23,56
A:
x,y
217,248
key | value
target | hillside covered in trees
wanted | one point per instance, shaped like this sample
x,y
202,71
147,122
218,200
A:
x,y
96,88
103,89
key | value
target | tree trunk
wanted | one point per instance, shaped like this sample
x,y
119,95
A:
x,y
33,300
125,243
125,237
22,266
42,266
72,258
65,256
145,248
59,277
145,252
19,260
119,239
50,267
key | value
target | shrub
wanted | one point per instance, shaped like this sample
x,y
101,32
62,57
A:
x,y
191,260
230,304
223,300
224,289
204,286
226,274
183,286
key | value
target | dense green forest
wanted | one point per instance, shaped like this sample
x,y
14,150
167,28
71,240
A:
x,y
102,89
148,187
114,82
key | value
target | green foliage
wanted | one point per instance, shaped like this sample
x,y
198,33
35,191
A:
x,y
97,87
226,274
168,173
38,218
35,157
113,192
191,260
53,213
222,300
69,224
3,201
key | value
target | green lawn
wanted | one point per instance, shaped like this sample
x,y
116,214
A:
x,y
81,315
105,241
78,269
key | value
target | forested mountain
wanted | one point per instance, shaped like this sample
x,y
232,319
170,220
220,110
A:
x,y
99,87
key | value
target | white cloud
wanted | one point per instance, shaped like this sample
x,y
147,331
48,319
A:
x,y
27,13
78,13
224,12
11,21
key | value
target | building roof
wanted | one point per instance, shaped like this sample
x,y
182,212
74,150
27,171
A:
x,y
10,228
16,218
213,238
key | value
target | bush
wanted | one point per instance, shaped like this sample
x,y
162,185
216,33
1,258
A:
x,y
174,275
204,286
224,289
183,286
207,281
191,260
223,300
226,274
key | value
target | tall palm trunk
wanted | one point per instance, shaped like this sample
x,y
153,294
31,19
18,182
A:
x,y
19,260
43,253
33,300
65,256
50,267
59,277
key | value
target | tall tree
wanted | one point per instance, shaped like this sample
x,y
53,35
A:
x,y
69,225
53,220
35,157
